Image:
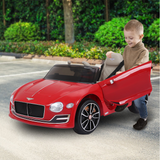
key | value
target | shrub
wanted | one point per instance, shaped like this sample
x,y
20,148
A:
x,y
153,33
60,50
83,49
111,33
154,55
22,31
2,29
143,10
36,47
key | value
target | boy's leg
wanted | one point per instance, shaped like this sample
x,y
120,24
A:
x,y
142,108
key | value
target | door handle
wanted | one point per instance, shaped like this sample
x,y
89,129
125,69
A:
x,y
110,82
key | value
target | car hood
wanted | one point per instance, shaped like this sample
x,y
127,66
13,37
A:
x,y
47,90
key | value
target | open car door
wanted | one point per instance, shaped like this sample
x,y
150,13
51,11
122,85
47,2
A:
x,y
128,86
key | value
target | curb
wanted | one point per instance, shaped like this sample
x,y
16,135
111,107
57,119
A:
x,y
8,57
156,67
72,60
12,54
55,58
48,61
52,59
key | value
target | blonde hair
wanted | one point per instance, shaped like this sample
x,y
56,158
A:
x,y
134,25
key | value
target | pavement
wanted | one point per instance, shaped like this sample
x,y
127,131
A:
x,y
113,139
50,59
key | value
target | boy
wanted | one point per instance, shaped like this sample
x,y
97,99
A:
x,y
135,54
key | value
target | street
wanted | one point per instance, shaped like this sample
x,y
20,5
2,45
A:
x,y
114,138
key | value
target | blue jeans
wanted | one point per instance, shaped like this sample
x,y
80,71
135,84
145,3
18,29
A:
x,y
141,106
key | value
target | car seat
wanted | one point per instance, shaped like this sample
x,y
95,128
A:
x,y
111,66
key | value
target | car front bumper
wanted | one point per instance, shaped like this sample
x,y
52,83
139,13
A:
x,y
57,121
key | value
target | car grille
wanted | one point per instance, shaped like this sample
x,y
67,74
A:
x,y
28,109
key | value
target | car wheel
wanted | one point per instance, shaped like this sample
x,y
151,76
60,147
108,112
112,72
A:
x,y
133,108
87,117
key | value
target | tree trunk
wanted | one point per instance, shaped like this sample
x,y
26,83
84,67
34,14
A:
x,y
106,2
48,26
68,19
4,13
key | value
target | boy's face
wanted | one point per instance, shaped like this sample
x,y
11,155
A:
x,y
132,37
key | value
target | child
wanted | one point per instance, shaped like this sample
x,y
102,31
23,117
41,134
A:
x,y
135,54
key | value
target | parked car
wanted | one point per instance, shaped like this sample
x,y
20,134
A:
x,y
70,96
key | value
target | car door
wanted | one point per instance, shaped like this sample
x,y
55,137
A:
x,y
128,86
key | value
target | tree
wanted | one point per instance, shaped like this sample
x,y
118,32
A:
x,y
48,25
68,19
106,2
4,13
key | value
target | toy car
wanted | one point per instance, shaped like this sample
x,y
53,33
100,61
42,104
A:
x,y
70,96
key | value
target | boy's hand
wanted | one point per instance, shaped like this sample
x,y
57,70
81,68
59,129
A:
x,y
118,72
108,54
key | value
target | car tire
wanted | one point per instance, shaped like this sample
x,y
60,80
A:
x,y
87,117
133,108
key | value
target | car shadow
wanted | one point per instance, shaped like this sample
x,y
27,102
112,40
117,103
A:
x,y
124,118
116,119
38,130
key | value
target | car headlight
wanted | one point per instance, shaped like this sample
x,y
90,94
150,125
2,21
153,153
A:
x,y
56,107
11,100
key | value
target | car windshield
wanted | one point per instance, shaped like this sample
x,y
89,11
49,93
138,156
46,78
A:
x,y
73,73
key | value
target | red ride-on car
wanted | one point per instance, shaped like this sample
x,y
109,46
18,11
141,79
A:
x,y
70,96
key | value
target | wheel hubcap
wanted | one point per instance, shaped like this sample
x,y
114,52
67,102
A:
x,y
90,117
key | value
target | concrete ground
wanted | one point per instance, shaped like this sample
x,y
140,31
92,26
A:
x,y
113,139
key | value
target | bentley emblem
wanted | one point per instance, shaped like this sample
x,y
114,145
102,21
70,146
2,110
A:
x,y
30,99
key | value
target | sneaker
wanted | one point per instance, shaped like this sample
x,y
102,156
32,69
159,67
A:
x,y
141,123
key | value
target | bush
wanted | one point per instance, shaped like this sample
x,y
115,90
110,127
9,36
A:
x,y
2,29
154,55
60,50
144,11
66,50
22,31
89,50
111,33
153,33
36,47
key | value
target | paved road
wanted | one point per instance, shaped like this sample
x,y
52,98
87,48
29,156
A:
x,y
113,139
